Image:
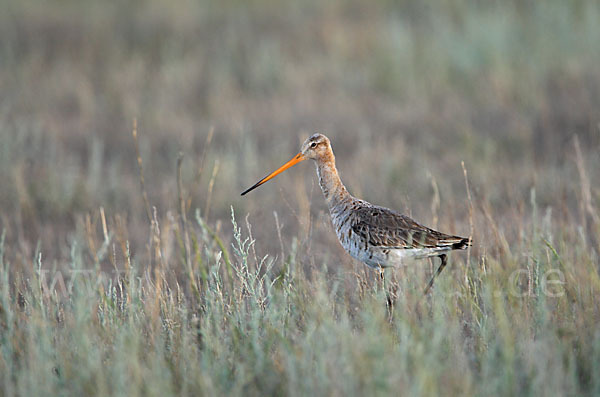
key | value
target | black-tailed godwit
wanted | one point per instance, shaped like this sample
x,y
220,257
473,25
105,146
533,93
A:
x,y
377,236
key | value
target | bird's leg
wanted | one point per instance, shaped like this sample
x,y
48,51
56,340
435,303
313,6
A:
x,y
389,298
444,259
381,276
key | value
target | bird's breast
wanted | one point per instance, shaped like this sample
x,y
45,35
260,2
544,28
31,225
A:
x,y
356,244
353,243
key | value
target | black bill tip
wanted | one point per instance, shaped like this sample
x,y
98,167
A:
x,y
251,188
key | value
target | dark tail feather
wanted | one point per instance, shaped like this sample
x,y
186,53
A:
x,y
462,244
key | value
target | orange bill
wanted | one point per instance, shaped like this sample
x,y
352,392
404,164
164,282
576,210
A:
x,y
297,158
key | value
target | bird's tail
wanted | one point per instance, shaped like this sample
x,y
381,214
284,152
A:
x,y
462,244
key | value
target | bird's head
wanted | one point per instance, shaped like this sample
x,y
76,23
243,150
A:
x,y
317,148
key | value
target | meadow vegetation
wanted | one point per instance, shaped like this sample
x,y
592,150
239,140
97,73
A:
x,y
476,118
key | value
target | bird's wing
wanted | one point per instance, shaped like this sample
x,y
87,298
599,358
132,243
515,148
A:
x,y
382,227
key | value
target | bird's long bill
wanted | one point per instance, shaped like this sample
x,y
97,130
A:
x,y
295,160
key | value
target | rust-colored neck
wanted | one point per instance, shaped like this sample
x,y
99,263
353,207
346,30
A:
x,y
331,185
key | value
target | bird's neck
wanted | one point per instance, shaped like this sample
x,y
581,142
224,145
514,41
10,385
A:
x,y
331,185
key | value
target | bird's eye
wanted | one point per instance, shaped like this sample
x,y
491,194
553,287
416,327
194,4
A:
x,y
313,145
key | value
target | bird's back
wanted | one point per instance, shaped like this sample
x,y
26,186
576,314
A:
x,y
381,237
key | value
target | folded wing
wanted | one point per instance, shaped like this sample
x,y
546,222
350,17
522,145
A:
x,y
385,228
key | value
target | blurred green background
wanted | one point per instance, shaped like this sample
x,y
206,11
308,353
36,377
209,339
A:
x,y
406,90
409,92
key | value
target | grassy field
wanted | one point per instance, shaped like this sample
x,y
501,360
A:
x,y
476,118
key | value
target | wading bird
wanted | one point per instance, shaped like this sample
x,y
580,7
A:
x,y
377,236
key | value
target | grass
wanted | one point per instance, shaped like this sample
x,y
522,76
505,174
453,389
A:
x,y
474,118
507,327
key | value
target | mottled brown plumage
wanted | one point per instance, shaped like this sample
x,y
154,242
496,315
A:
x,y
377,236
379,226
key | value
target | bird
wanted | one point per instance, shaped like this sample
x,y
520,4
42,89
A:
x,y
377,236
